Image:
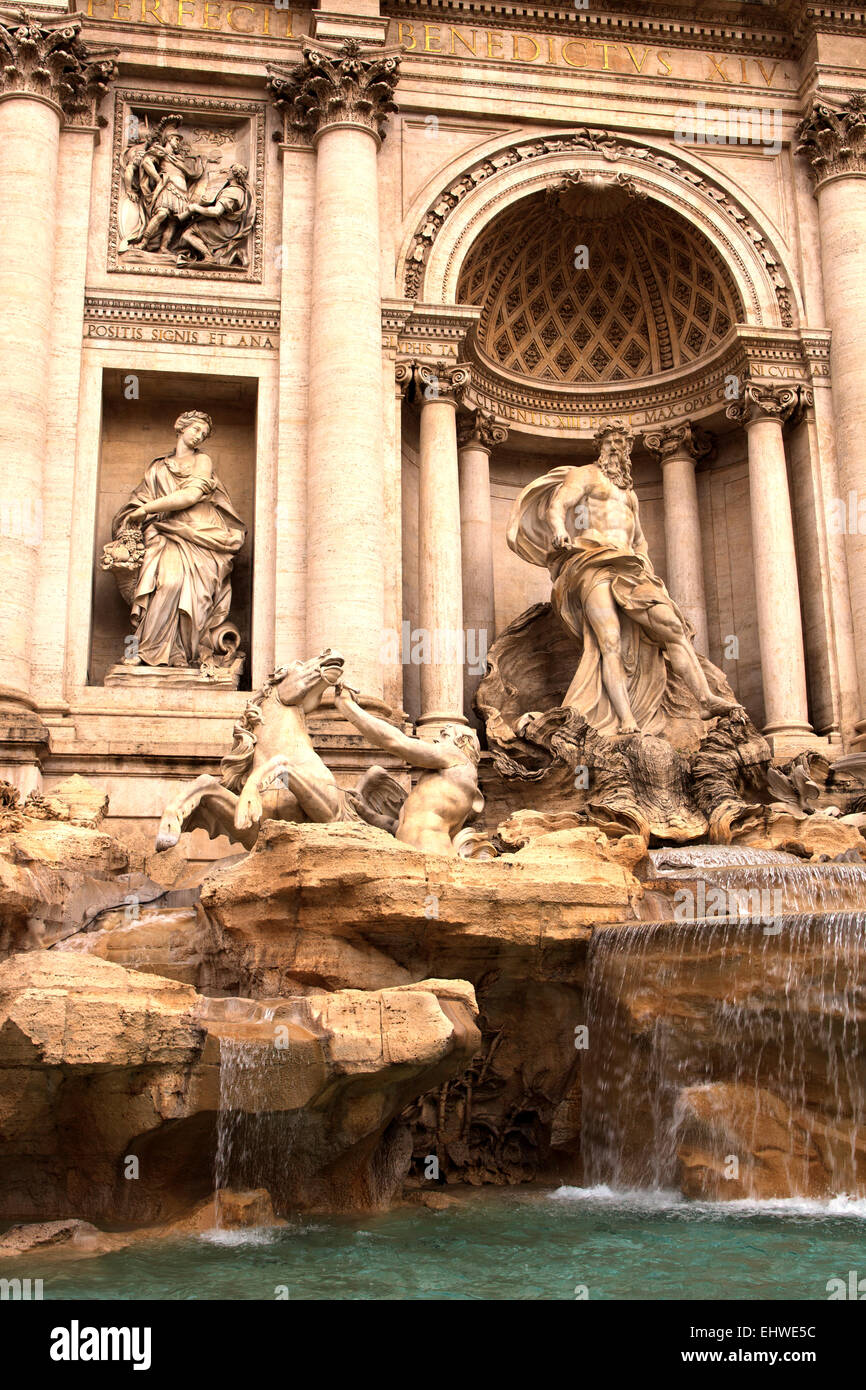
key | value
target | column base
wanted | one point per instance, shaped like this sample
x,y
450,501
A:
x,y
24,740
787,740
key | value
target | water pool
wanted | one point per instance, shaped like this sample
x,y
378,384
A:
x,y
527,1244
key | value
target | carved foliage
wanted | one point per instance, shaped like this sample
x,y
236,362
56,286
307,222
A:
x,y
39,59
432,381
480,429
676,439
833,140
758,401
336,84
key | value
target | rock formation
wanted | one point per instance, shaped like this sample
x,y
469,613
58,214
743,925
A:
x,y
110,1087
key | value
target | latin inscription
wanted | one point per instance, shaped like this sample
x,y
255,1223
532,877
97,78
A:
x,y
460,41
196,337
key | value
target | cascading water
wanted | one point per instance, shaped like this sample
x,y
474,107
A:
x,y
755,1023
717,857
261,1117
239,1158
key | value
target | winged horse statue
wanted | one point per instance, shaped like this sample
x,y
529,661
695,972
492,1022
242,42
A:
x,y
273,771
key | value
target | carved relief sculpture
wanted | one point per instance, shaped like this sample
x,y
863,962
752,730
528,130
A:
x,y
172,552
179,204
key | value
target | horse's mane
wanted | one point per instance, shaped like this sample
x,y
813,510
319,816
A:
x,y
235,766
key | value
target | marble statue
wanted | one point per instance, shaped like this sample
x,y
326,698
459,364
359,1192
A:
x,y
583,523
446,796
173,549
599,698
274,772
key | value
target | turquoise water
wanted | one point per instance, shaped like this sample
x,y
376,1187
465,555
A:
x,y
501,1245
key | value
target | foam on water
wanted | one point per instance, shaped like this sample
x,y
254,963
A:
x,y
667,1200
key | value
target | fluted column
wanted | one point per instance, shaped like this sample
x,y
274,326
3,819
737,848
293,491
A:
x,y
763,411
678,449
440,555
339,97
46,73
833,140
476,436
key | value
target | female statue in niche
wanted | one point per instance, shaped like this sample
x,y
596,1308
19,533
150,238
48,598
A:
x,y
173,549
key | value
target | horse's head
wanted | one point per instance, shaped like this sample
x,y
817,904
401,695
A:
x,y
305,682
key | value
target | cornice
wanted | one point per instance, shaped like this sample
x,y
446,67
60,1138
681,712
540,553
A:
x,y
765,359
642,21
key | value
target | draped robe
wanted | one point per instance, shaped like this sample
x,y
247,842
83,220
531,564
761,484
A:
x,y
183,589
635,587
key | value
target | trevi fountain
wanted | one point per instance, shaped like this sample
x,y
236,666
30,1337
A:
x,y
432,737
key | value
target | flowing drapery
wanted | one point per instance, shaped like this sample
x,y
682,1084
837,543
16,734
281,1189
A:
x,y
183,589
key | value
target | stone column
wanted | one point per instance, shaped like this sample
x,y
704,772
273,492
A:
x,y
46,73
440,564
678,449
833,140
763,411
339,97
476,435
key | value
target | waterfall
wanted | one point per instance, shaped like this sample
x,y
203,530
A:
x,y
716,857
236,1148
261,1120
757,1014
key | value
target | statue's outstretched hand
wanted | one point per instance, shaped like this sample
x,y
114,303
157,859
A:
x,y
342,690
561,541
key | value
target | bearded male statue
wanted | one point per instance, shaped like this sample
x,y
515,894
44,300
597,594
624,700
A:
x,y
583,524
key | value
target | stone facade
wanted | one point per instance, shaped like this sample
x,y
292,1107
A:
x,y
407,263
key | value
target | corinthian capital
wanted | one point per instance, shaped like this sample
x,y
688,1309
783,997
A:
x,y
684,438
39,58
336,84
833,139
769,403
480,429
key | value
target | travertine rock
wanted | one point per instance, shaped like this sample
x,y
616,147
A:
x,y
814,837
87,804
353,898
728,1038
780,1152
344,905
100,1065
55,877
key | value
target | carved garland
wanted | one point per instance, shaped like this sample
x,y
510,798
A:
x,y
609,147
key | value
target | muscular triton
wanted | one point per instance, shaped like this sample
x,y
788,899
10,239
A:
x,y
446,794
583,524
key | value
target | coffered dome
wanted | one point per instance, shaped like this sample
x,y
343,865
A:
x,y
654,295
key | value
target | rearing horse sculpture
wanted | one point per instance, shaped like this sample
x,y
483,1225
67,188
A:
x,y
274,771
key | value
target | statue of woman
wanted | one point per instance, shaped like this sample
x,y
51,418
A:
x,y
191,533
